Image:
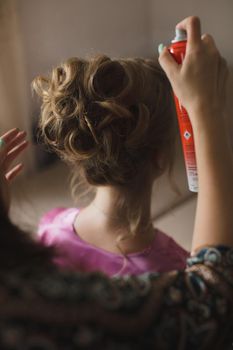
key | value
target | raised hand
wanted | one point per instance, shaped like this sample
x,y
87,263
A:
x,y
12,144
200,82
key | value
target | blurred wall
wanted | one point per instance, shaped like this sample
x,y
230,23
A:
x,y
14,99
54,30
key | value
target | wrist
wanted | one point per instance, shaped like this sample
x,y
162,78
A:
x,y
211,132
213,147
206,118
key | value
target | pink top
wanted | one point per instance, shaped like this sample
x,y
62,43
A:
x,y
57,228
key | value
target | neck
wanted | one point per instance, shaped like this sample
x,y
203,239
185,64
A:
x,y
105,221
114,204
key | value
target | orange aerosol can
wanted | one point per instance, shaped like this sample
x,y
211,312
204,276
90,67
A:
x,y
177,50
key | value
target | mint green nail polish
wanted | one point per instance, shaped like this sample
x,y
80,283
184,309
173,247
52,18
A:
x,y
160,48
2,143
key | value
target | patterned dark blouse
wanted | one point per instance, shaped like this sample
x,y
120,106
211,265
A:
x,y
191,309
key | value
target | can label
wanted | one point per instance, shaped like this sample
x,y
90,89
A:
x,y
186,132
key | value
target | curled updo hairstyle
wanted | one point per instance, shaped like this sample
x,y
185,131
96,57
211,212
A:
x,y
109,118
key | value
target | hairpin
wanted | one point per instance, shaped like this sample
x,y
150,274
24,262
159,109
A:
x,y
91,128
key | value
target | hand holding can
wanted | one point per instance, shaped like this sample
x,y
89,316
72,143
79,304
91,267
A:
x,y
200,81
178,49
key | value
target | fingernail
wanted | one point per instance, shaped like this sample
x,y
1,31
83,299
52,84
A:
x,y
22,133
160,48
2,143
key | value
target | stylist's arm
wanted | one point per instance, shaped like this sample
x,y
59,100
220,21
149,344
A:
x,y
200,85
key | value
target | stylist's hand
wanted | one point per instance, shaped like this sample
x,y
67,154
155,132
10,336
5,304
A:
x,y
12,144
200,81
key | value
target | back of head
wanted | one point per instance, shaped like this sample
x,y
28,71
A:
x,y
109,118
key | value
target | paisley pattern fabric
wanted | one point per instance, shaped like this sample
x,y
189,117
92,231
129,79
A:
x,y
190,309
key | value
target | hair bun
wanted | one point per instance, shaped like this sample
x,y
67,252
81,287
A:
x,y
109,79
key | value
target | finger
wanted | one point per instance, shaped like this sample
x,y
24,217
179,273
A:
x,y
14,153
11,175
225,69
2,151
2,144
9,135
223,73
223,63
15,141
6,139
167,62
209,40
192,26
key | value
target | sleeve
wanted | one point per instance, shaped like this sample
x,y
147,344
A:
x,y
47,224
190,309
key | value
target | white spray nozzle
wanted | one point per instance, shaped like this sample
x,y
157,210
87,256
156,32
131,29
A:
x,y
181,35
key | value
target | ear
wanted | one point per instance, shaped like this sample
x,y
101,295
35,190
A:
x,y
158,164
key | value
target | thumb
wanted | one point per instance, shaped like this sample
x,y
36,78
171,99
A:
x,y
2,150
168,63
2,143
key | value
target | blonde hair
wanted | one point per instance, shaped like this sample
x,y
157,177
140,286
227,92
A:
x,y
109,119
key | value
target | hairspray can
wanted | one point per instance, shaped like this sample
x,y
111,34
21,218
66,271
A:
x,y
177,50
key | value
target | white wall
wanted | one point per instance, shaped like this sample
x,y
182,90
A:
x,y
54,30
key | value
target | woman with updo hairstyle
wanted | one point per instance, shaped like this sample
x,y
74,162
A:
x,y
113,122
